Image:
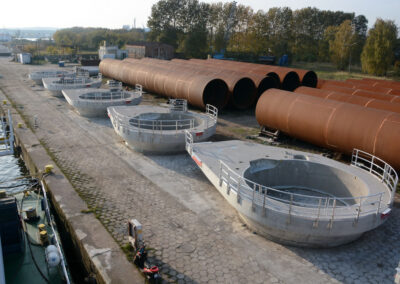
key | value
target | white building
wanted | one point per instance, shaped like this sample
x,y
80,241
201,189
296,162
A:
x,y
112,52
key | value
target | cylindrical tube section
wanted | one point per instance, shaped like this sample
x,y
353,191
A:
x,y
336,125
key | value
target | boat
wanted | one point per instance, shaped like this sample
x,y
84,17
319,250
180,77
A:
x,y
31,250
6,135
39,75
94,103
56,85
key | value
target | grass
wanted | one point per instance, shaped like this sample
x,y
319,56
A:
x,y
329,71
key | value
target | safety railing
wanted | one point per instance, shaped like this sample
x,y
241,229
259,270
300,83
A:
x,y
296,204
212,111
377,167
177,105
150,125
100,96
189,142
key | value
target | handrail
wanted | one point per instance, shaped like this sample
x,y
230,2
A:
x,y
212,111
296,203
177,105
377,167
139,125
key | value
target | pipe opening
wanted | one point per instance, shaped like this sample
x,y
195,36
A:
x,y
310,79
265,84
244,93
216,93
291,81
275,76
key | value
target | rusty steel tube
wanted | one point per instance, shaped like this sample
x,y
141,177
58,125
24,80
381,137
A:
x,y
361,93
332,124
357,100
242,88
307,77
198,90
363,85
261,81
287,77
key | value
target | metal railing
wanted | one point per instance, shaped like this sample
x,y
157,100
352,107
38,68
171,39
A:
x,y
127,124
177,105
189,142
212,111
377,167
317,207
100,96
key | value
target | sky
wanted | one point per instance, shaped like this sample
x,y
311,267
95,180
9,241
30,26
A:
x,y
116,13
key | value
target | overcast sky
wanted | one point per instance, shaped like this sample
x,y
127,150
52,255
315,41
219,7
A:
x,y
114,14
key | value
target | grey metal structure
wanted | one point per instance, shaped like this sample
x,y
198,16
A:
x,y
37,76
56,85
93,103
295,197
162,129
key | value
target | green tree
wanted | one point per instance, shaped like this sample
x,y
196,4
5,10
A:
x,y
378,53
341,47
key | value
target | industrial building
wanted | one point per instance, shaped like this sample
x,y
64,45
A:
x,y
150,49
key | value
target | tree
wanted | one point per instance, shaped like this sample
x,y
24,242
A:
x,y
378,53
341,47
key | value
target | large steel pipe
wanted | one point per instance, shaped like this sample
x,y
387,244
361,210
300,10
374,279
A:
x,y
332,124
307,77
357,100
242,88
198,90
288,78
362,85
361,93
261,81
383,83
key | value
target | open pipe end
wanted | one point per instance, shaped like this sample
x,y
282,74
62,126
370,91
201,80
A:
x,y
291,81
275,76
267,83
244,93
216,93
310,79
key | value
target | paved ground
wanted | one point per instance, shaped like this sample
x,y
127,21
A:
x,y
195,235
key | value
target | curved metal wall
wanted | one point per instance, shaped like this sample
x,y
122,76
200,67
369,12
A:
x,y
197,89
361,93
357,100
288,78
261,81
336,125
242,88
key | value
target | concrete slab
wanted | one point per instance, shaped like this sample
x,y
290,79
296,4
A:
x,y
179,207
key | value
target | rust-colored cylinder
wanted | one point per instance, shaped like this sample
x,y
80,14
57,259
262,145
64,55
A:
x,y
242,89
320,83
352,99
361,93
332,124
198,90
383,88
261,81
287,77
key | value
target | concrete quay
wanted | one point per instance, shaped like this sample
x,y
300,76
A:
x,y
195,235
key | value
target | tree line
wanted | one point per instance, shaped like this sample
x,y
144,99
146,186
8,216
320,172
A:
x,y
197,29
